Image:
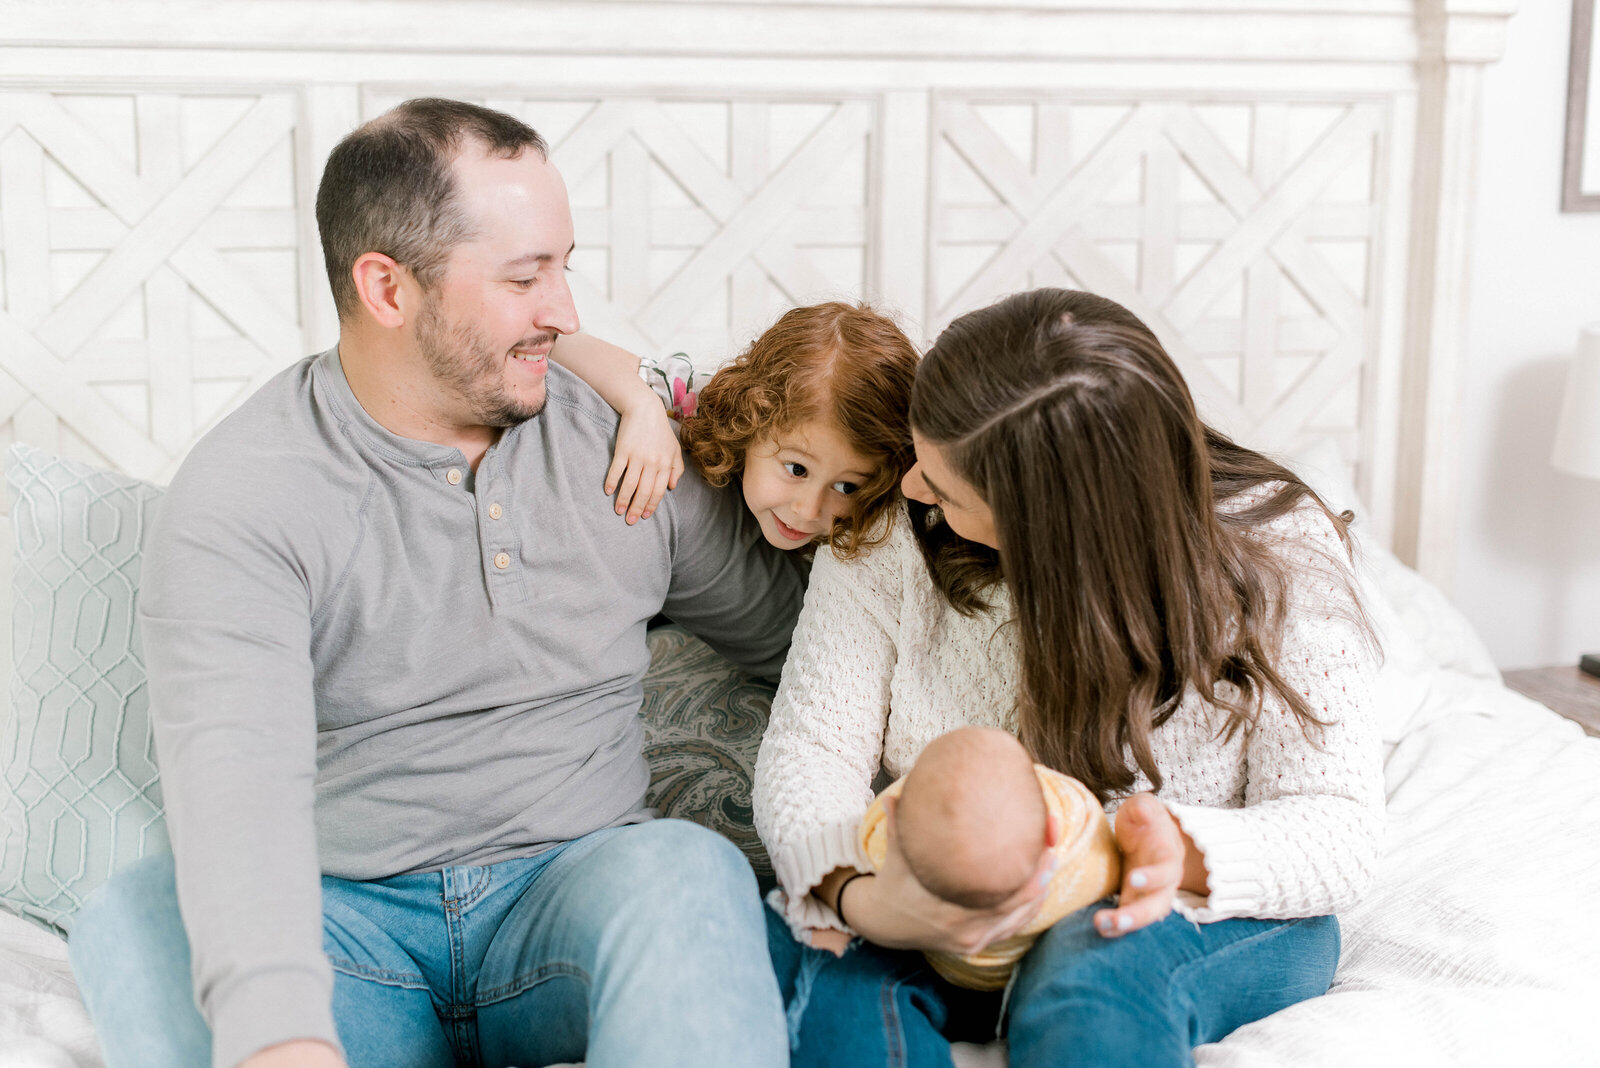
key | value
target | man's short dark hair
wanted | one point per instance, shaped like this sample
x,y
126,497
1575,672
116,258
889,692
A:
x,y
388,187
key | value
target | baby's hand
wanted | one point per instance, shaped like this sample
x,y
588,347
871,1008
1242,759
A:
x,y
648,459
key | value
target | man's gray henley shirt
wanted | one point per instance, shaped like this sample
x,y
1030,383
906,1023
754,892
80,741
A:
x,y
366,659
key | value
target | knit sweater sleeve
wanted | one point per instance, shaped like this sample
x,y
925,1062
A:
x,y
1306,843
824,741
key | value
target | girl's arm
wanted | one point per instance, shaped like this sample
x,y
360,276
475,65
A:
x,y
647,461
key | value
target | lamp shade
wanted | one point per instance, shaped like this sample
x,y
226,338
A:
x,y
1577,447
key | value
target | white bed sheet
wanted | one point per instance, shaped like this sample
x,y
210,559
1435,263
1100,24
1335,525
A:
x,y
42,1022
1479,945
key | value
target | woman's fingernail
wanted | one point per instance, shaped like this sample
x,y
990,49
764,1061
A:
x,y
1138,880
1124,922
1104,923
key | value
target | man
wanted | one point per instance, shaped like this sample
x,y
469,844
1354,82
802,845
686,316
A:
x,y
395,640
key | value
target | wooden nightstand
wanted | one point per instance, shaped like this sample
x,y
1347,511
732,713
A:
x,y
1569,691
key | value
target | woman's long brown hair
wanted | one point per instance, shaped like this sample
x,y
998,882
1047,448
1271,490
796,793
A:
x,y
1130,585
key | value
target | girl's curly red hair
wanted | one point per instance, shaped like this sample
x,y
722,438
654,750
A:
x,y
843,362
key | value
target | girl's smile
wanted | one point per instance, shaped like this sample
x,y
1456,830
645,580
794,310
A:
x,y
801,479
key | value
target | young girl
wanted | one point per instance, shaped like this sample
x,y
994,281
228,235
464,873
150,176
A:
x,y
811,420
1155,611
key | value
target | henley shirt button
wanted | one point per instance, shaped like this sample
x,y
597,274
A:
x,y
453,476
494,511
502,560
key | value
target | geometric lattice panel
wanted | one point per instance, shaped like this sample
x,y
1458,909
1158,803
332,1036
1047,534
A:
x,y
1245,234
148,274
699,221
79,794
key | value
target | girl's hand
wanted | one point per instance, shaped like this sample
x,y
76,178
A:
x,y
893,910
648,459
1158,860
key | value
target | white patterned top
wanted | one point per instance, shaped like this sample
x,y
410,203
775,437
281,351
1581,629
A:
x,y
881,665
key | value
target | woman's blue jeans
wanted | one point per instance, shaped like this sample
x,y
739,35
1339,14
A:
x,y
1145,999
629,946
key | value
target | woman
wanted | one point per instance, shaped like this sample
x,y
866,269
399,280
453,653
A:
x,y
1154,610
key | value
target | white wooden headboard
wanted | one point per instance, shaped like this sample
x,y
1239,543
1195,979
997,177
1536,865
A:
x,y
1281,188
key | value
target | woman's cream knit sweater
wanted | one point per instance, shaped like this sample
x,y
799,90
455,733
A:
x,y
881,665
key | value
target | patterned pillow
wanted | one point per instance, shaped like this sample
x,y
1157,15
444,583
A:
x,y
703,721
78,789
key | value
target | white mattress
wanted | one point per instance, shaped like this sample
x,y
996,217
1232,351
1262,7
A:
x,y
1479,945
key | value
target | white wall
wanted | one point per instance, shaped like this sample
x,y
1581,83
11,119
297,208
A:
x,y
1528,550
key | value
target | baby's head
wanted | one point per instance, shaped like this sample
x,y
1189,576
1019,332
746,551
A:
x,y
812,421
971,817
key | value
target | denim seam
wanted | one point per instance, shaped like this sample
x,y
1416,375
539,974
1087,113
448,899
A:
x,y
407,980
1243,943
528,981
811,963
455,937
894,1041
1185,968
477,890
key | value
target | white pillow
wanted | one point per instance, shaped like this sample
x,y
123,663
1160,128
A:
x,y
1420,631
1419,607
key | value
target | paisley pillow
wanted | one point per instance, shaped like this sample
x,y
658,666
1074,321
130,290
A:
x,y
703,721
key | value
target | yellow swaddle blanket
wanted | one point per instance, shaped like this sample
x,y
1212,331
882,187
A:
x,y
1088,867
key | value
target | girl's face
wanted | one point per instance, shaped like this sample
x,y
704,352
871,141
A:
x,y
799,480
932,480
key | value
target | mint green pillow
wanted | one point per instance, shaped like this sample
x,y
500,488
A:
x,y
79,795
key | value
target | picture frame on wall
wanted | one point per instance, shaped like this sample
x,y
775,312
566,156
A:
x,y
1580,172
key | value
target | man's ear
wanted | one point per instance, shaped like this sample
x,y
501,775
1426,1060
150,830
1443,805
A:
x,y
381,285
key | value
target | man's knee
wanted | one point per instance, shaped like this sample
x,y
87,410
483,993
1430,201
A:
x,y
679,884
130,955
140,902
686,856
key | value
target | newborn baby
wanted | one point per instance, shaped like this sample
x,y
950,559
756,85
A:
x,y
970,822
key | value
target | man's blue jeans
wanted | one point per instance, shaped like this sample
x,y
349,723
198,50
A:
x,y
638,945
1144,1000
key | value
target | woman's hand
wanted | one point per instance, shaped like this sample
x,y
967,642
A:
x,y
892,909
648,458
1158,860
